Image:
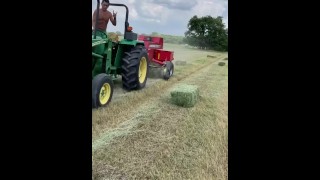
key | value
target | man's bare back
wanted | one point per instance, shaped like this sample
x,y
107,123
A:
x,y
104,17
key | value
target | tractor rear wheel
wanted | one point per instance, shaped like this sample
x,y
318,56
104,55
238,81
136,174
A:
x,y
135,68
102,90
168,70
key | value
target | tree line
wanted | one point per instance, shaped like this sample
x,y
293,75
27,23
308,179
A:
x,y
207,33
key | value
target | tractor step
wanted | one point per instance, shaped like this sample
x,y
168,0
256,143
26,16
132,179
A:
x,y
96,55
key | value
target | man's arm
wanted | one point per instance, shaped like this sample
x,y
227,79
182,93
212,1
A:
x,y
113,19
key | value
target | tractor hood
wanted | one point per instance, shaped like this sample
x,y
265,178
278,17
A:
x,y
96,42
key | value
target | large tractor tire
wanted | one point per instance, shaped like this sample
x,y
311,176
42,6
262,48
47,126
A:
x,y
102,90
135,65
168,70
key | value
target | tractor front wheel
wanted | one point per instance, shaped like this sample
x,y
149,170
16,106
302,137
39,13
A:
x,y
135,68
102,90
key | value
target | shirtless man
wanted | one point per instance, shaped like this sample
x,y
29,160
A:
x,y
104,17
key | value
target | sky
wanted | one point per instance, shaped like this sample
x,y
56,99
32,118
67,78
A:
x,y
164,16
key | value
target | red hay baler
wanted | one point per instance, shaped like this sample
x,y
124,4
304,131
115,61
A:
x,y
159,58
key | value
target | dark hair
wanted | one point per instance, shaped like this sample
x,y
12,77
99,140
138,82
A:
x,y
107,1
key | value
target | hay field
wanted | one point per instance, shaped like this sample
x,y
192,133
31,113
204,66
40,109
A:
x,y
141,135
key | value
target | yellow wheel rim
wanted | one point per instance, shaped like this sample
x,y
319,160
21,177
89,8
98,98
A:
x,y
105,93
142,69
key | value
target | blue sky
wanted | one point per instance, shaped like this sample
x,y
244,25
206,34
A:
x,y
164,16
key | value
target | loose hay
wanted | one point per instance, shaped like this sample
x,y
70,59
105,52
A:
x,y
180,63
113,36
185,95
221,63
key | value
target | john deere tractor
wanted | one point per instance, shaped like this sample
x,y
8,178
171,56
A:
x,y
110,59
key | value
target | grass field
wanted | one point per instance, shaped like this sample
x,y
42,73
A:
x,y
141,135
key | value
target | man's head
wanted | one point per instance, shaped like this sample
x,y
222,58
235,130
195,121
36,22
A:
x,y
105,4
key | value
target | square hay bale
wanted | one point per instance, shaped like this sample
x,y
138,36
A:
x,y
221,63
185,95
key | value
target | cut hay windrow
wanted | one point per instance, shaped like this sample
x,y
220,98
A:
x,y
124,128
185,95
211,56
180,63
100,125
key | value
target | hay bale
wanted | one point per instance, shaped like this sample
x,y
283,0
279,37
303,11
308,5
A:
x,y
221,63
211,56
185,95
180,63
113,36
226,58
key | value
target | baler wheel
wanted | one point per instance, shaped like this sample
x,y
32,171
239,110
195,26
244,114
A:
x,y
168,70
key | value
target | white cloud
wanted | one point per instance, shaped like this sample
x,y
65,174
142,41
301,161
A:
x,y
213,8
176,4
151,20
150,10
133,13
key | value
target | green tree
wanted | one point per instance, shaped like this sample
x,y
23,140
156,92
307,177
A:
x,y
172,39
155,34
207,33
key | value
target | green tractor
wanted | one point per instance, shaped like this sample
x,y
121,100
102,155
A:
x,y
128,58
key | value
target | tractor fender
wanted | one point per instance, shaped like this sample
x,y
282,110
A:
x,y
131,43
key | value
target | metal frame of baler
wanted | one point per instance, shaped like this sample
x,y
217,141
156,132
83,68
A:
x,y
153,62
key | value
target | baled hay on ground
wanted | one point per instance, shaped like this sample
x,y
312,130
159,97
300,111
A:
x,y
221,63
185,95
180,63
226,58
211,56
